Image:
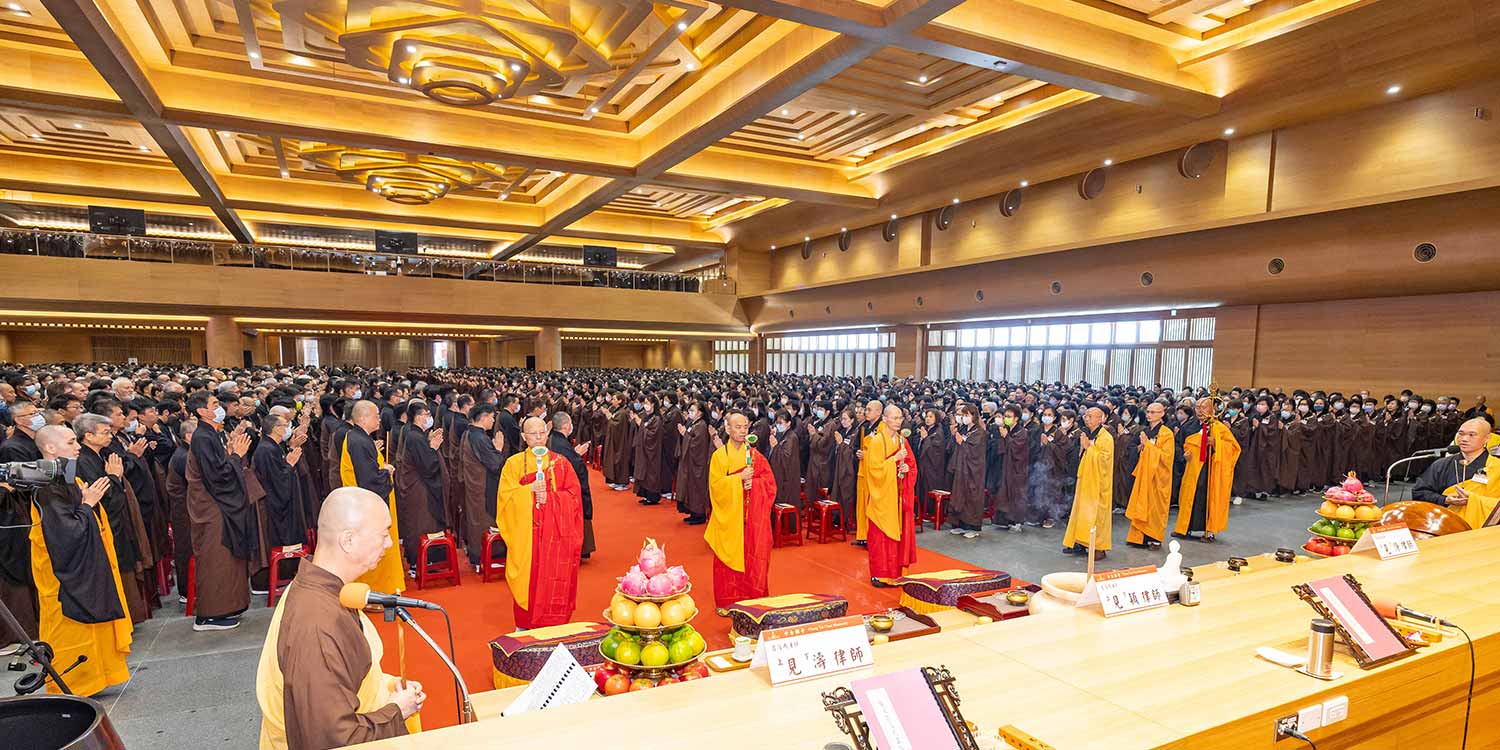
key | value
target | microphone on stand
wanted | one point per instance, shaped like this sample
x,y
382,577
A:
x,y
1391,610
358,596
1444,451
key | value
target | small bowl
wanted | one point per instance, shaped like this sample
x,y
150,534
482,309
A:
x,y
882,623
1019,597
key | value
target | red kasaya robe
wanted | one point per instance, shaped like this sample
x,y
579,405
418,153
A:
x,y
892,530
543,541
739,525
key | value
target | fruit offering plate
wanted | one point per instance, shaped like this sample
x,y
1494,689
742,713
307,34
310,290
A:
x,y
1332,537
1321,555
1364,498
1355,519
639,629
908,624
657,599
643,667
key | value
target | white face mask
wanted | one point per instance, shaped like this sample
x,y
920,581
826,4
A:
x,y
133,425
218,414
425,421
1426,408
1047,419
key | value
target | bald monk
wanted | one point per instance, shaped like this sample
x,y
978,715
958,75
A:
x,y
319,682
889,468
1211,452
1093,496
81,604
362,464
539,510
1468,482
868,427
1151,495
741,490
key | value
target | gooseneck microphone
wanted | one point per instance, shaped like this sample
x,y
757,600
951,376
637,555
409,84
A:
x,y
1392,610
358,596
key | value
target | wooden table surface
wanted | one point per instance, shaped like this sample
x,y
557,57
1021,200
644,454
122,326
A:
x,y
1175,677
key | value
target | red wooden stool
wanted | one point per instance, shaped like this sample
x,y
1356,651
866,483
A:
x,y
276,587
784,525
164,575
824,518
938,497
192,585
433,571
488,565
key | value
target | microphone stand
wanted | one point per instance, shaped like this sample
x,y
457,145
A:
x,y
466,705
1419,455
39,652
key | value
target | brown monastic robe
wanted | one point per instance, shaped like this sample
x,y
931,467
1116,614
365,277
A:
x,y
786,465
618,450
1293,436
1265,449
968,463
820,457
225,528
695,448
480,464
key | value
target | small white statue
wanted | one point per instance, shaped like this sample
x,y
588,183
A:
x,y
1170,572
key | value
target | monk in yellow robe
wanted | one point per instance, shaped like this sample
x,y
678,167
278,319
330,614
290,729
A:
x,y
1468,482
867,430
1151,495
82,609
1093,498
1211,452
362,464
741,490
540,514
890,470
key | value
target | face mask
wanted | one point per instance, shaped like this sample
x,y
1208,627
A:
x,y
1410,404
1026,416
1127,418
358,393
1338,404
1369,408
646,408
820,413
425,422
1065,424
31,389
1301,408
963,419
1008,421
715,415
1286,414
1426,408
1318,408
1262,408
1232,412
1047,419
1404,399
781,428
218,414
36,422
133,425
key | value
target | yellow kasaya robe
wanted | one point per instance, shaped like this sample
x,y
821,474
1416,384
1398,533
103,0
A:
x,y
1151,495
739,524
1483,496
388,577
882,490
870,445
104,643
1223,455
542,542
1094,497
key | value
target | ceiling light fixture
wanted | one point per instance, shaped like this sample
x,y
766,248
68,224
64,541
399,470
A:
x,y
785,112
799,136
286,173
411,49
922,79
254,55
593,110
78,126
1024,183
955,201
1109,162
843,229
854,113
893,216
773,247
1228,131
806,238
145,148
682,25
14,6
1394,89
505,195
515,67
37,137
403,80
691,66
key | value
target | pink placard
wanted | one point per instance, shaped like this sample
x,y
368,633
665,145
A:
x,y
903,712
1360,621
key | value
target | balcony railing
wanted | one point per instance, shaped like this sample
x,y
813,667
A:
x,y
64,244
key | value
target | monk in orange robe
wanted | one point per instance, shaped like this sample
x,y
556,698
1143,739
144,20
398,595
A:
x,y
539,509
1211,452
741,489
890,475
1151,495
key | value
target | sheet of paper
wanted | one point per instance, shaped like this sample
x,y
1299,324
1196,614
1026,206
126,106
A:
x,y
562,682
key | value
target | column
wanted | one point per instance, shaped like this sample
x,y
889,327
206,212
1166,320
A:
x,y
222,342
910,350
548,349
690,354
5,349
758,354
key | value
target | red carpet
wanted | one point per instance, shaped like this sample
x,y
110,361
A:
x,y
481,611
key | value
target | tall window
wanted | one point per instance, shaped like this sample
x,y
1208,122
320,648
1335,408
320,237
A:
x,y
855,354
732,355
1174,351
310,352
440,355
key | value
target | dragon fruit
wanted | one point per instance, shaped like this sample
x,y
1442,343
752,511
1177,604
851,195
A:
x,y
1339,494
660,585
1352,485
653,560
679,577
635,583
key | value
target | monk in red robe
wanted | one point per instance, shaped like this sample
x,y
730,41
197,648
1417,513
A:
x,y
539,510
741,489
890,476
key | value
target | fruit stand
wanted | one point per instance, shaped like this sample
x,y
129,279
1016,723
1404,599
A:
x,y
652,641
1347,512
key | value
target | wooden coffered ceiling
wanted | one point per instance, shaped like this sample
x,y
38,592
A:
x,y
652,124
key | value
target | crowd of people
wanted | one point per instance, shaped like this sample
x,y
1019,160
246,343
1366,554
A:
x,y
206,471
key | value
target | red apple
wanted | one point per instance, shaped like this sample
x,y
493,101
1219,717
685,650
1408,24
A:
x,y
640,683
616,684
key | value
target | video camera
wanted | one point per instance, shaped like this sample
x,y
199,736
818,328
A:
x,y
37,473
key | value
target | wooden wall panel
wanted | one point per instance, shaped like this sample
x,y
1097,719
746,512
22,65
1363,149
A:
x,y
690,354
868,254
50,346
1436,345
1235,331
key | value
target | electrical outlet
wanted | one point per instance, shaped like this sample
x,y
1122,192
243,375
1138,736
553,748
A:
x,y
1310,718
1285,726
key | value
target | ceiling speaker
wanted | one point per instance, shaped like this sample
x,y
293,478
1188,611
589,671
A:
x,y
1091,184
1057,287
1425,252
1276,266
888,232
1010,203
1195,160
844,241
806,249
1147,279
945,217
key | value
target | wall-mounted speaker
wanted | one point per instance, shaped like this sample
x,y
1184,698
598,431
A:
x,y
1276,266
1425,252
806,249
1057,287
1195,160
944,217
1010,203
888,232
1091,184
844,238
1147,279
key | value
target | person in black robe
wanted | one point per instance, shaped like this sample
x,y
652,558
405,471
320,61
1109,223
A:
x,y
225,529
480,460
1293,436
1127,434
508,423
98,459
455,429
843,488
1044,480
69,517
16,587
1013,439
820,451
558,442
933,446
618,450
671,419
970,454
760,427
275,466
177,507
420,479
695,448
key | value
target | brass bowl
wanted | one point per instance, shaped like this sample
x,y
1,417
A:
x,y
882,623
1019,597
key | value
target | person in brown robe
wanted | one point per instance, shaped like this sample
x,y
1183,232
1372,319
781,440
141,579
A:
x,y
1309,466
319,682
843,487
225,535
760,427
1342,461
1240,425
1325,437
820,444
480,460
694,448
1127,433
1389,427
786,461
1362,456
1013,440
560,442
933,444
1265,450
419,480
968,464
618,450
1293,436
671,419
650,431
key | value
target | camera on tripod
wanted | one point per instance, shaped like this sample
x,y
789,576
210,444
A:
x,y
36,473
